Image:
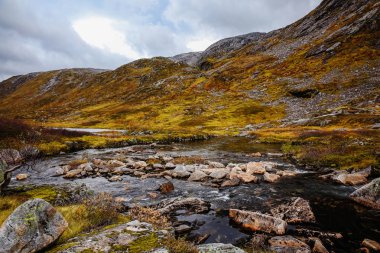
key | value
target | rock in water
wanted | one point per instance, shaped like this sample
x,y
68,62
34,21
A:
x,y
219,248
296,210
31,227
167,187
21,177
194,205
371,244
369,194
256,221
197,175
288,244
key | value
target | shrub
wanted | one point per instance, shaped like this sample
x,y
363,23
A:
x,y
102,209
179,245
149,215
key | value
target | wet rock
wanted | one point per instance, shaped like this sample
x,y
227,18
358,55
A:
x,y
219,248
256,221
271,178
371,244
166,187
180,171
255,168
85,167
10,156
219,173
182,229
158,166
369,194
140,165
197,175
73,173
152,195
115,179
31,227
246,178
21,177
258,241
170,166
231,182
318,246
257,154
59,172
296,210
286,173
191,204
138,173
314,233
215,164
355,179
115,163
275,154
288,244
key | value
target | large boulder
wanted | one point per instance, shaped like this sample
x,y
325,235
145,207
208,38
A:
x,y
31,227
219,248
296,210
197,175
192,204
369,194
288,244
256,221
255,168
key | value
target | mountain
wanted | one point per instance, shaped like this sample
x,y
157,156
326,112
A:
x,y
322,70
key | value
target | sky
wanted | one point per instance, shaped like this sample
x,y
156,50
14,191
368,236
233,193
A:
x,y
40,35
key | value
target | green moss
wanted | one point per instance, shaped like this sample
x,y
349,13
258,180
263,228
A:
x,y
59,248
47,193
144,244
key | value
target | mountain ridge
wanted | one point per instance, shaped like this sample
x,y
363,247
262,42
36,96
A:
x,y
258,79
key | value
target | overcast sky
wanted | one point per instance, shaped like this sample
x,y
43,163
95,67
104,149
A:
x,y
38,35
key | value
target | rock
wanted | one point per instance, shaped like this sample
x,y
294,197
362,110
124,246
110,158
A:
x,y
98,162
318,246
271,178
152,195
115,163
286,173
371,244
170,166
234,172
166,187
158,166
73,173
180,171
231,182
296,210
365,172
182,229
59,172
246,178
275,154
85,167
21,177
369,194
197,175
115,179
167,158
219,248
355,179
288,244
192,204
140,165
256,221
258,241
215,164
257,154
255,168
340,177
219,173
31,227
138,173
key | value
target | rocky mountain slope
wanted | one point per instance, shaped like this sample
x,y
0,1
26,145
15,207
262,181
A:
x,y
322,70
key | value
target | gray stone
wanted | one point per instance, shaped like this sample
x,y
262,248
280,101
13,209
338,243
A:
x,y
31,227
197,175
219,248
288,244
219,173
369,194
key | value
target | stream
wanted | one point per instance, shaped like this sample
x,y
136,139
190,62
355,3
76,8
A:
x,y
333,209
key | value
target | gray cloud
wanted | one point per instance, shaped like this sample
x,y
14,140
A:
x,y
38,35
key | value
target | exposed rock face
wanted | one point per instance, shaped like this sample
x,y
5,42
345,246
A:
x,y
296,210
369,194
31,227
195,205
256,221
318,246
288,244
219,248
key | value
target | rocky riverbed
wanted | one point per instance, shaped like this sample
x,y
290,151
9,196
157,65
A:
x,y
241,193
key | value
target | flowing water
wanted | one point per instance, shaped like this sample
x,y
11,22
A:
x,y
333,209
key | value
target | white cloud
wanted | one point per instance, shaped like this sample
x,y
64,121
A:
x,y
199,44
102,33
